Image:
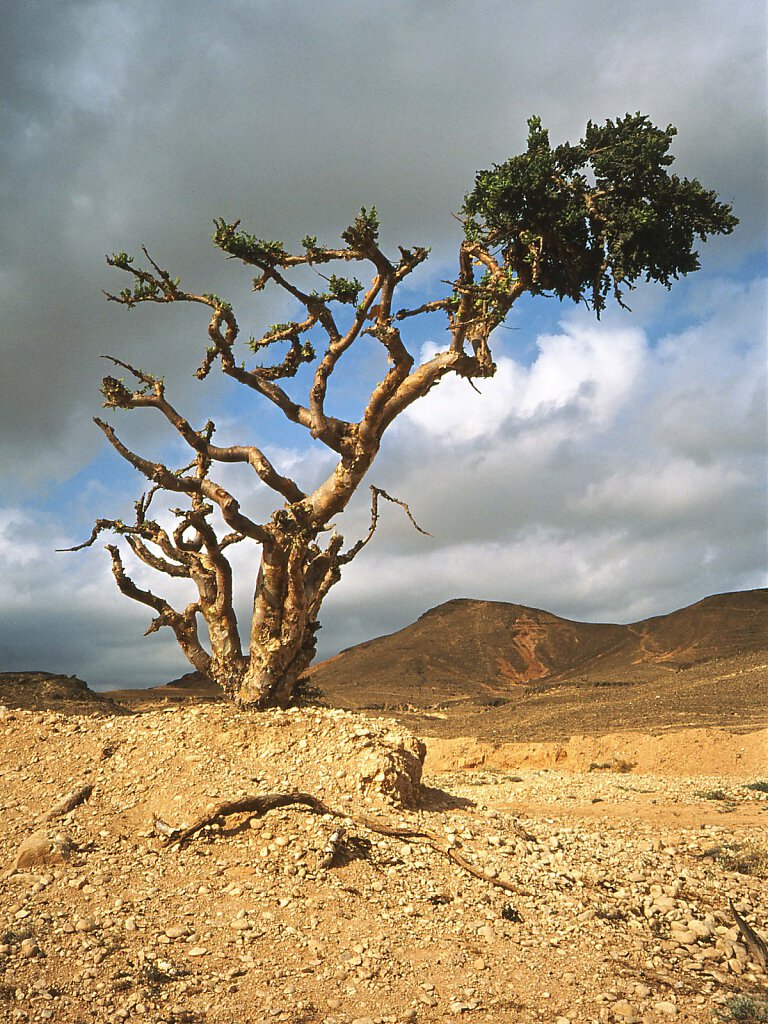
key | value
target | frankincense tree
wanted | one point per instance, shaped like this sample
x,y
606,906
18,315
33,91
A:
x,y
583,222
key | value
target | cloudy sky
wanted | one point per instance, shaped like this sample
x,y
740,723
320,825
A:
x,y
610,471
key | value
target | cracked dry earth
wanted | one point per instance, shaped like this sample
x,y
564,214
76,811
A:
x,y
617,912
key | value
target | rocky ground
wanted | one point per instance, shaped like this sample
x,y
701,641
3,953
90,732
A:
x,y
606,896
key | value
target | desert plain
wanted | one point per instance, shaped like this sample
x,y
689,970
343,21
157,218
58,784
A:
x,y
500,817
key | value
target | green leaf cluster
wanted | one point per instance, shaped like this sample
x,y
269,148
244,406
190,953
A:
x,y
364,232
218,301
141,292
116,394
121,260
582,220
344,289
247,247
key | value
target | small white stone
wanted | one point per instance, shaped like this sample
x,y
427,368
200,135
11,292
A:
x,y
666,1007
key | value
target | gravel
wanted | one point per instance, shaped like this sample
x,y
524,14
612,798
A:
x,y
617,918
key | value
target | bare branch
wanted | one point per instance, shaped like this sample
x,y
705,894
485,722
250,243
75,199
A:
x,y
438,305
376,493
155,561
99,526
144,530
754,942
70,801
198,440
160,474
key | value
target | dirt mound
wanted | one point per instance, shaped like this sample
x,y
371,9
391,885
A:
x,y
692,752
46,690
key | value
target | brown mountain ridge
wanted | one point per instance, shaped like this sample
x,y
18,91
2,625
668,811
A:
x,y
486,649
542,675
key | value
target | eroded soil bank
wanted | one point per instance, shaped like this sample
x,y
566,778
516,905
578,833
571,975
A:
x,y
674,752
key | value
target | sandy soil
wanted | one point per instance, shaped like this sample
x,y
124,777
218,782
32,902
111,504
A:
x,y
605,894
704,751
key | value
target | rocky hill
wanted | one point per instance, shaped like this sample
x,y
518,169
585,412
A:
x,y
505,672
488,649
44,690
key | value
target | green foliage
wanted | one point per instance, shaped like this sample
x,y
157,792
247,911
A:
x,y
120,259
217,301
581,221
710,794
287,330
761,786
141,292
749,858
146,287
344,289
364,232
305,693
247,247
116,394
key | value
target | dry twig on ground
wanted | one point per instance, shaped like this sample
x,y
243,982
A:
x,y
260,805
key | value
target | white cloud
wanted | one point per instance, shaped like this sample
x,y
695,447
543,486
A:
x,y
593,367
585,370
669,492
610,478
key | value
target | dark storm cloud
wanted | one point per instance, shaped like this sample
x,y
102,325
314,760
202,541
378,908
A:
x,y
130,123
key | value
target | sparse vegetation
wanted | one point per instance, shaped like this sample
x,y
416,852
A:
x,y
748,859
617,764
748,1009
305,692
761,786
711,794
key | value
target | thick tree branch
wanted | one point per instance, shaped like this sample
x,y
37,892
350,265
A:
x,y
117,396
155,561
183,624
144,530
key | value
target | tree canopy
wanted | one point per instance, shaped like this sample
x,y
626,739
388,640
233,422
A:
x,y
585,221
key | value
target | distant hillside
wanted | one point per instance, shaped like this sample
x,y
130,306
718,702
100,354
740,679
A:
x,y
506,673
491,651
47,690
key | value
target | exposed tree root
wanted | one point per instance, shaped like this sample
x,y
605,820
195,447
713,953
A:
x,y
69,802
259,805
754,942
